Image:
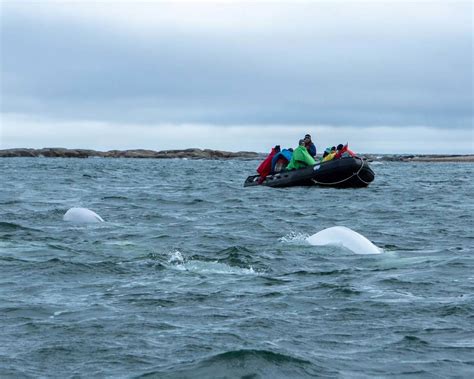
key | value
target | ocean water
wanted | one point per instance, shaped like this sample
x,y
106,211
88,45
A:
x,y
191,275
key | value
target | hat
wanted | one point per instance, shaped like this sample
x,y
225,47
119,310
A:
x,y
307,136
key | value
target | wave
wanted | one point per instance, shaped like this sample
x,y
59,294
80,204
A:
x,y
412,341
214,267
115,197
261,355
238,256
11,226
11,202
248,363
461,310
335,272
206,266
68,267
12,260
340,289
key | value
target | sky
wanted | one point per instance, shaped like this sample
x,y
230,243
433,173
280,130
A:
x,y
387,77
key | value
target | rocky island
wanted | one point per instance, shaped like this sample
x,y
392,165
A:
x,y
57,152
420,158
194,153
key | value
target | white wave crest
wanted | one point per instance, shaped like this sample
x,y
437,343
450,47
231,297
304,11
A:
x,y
213,267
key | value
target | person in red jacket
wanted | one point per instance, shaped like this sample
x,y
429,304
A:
x,y
266,166
343,151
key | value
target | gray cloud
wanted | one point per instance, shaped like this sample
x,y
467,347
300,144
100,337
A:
x,y
299,72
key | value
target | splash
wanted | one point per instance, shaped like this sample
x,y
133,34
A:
x,y
344,237
176,257
294,237
179,262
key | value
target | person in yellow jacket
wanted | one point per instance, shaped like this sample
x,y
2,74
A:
x,y
300,157
329,154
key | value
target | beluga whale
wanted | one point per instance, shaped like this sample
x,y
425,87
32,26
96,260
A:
x,y
344,237
81,215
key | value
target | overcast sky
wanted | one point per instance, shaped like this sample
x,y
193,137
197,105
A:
x,y
387,77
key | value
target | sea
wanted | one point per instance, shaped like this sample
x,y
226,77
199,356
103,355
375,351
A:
x,y
194,276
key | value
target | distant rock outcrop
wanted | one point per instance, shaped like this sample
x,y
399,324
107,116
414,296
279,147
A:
x,y
419,158
59,152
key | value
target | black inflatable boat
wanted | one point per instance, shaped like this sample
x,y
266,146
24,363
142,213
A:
x,y
342,173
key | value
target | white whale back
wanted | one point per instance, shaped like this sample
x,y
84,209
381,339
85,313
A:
x,y
344,237
81,215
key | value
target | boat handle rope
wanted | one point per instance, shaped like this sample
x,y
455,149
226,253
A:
x,y
345,180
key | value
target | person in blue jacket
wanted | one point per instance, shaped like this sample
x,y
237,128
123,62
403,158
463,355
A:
x,y
309,145
281,160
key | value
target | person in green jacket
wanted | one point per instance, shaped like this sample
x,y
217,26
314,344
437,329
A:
x,y
300,158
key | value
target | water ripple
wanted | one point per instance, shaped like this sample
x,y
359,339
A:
x,y
192,275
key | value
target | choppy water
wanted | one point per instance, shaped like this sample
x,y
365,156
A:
x,y
192,275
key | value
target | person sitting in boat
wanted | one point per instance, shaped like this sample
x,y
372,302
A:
x,y
266,166
343,151
281,160
300,157
309,145
329,154
327,150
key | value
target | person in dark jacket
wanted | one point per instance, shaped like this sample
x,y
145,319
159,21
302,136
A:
x,y
309,145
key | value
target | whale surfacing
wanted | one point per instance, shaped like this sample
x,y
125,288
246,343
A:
x,y
81,215
344,237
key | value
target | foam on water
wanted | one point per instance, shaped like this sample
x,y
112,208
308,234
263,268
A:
x,y
176,257
213,268
294,238
179,262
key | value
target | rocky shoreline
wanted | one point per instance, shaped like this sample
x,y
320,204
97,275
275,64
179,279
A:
x,y
137,153
420,158
57,152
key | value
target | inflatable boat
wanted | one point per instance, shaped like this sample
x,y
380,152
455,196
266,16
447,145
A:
x,y
342,173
